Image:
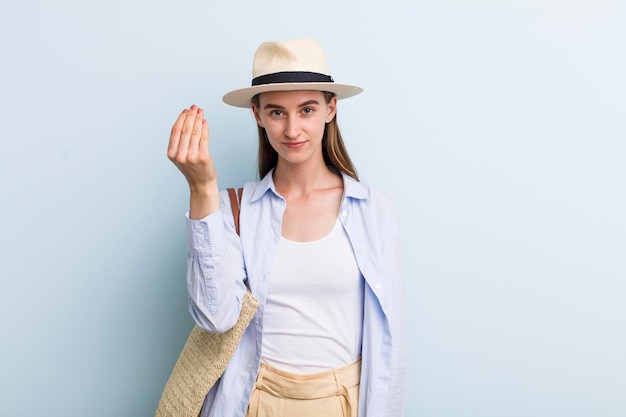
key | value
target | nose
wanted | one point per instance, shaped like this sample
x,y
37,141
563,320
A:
x,y
292,128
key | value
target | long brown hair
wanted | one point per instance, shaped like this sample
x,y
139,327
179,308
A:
x,y
333,148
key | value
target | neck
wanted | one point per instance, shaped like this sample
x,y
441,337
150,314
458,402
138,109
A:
x,y
303,178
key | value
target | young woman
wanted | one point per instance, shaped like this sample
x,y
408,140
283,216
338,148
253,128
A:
x,y
319,250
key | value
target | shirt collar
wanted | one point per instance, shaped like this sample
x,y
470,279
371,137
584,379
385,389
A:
x,y
352,188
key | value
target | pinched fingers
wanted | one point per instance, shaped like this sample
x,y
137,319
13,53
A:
x,y
185,136
188,148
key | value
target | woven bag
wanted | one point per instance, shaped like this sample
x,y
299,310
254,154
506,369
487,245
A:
x,y
205,355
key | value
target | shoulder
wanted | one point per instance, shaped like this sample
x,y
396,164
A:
x,y
381,198
368,196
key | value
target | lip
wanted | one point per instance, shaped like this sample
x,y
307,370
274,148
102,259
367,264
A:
x,y
294,145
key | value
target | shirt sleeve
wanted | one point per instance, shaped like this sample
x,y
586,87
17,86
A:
x,y
215,270
398,386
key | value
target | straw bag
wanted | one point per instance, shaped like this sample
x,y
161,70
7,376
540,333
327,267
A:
x,y
204,356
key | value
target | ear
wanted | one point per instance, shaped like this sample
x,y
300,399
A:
x,y
332,109
257,117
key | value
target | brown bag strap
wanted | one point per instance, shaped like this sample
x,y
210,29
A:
x,y
235,201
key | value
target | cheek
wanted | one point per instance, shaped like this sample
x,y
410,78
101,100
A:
x,y
273,130
319,128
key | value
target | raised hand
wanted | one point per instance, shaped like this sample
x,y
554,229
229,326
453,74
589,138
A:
x,y
189,150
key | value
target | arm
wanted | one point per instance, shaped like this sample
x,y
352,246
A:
x,y
215,269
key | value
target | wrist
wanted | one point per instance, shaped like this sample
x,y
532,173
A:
x,y
203,201
208,188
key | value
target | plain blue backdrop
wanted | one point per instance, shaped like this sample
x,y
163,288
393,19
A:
x,y
496,126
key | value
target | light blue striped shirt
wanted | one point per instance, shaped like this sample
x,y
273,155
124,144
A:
x,y
219,261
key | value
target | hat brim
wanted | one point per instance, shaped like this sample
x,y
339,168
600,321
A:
x,y
243,96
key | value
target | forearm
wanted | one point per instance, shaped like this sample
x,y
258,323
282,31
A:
x,y
215,272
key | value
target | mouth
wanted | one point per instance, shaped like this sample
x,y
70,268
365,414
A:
x,y
294,145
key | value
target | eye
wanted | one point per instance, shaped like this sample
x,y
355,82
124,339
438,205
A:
x,y
307,110
276,113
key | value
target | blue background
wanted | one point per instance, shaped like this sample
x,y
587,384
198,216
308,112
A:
x,y
496,126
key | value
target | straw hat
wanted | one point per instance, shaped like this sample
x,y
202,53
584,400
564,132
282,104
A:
x,y
286,66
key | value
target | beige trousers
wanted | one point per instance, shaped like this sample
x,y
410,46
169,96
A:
x,y
333,393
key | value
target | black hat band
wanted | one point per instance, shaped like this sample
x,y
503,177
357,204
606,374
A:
x,y
292,77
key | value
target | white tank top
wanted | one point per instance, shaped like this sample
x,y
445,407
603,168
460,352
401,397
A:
x,y
313,318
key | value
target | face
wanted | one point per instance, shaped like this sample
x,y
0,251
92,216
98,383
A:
x,y
294,122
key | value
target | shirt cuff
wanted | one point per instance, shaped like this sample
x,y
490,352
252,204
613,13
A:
x,y
205,236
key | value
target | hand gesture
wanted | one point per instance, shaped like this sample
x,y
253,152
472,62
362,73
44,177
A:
x,y
189,150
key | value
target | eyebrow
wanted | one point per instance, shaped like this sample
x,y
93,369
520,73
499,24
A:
x,y
276,106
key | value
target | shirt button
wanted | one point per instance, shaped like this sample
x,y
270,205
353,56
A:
x,y
203,245
378,286
344,214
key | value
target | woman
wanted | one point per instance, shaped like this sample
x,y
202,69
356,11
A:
x,y
317,248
